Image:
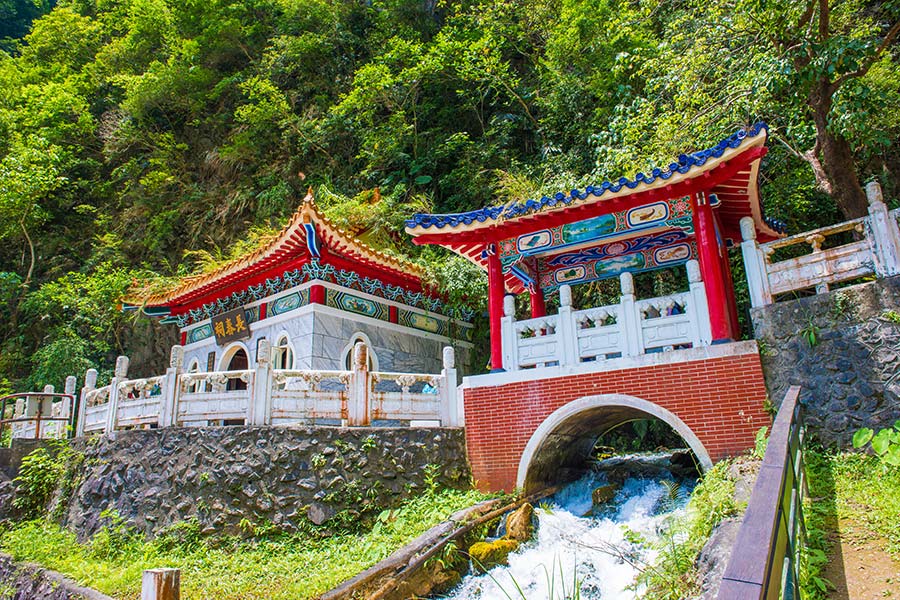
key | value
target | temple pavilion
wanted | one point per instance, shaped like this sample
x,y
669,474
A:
x,y
688,213
313,291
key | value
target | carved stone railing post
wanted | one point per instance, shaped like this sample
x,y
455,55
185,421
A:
x,y
90,384
510,339
65,410
633,344
261,394
754,265
815,241
885,233
700,310
120,374
568,346
168,406
451,410
358,400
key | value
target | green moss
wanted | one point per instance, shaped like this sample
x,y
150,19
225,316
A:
x,y
487,555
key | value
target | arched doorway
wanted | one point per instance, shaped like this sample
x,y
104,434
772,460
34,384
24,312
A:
x,y
236,360
561,446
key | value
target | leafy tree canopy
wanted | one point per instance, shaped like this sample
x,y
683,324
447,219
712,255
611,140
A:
x,y
147,136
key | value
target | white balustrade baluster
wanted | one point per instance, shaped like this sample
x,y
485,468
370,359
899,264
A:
x,y
631,317
509,335
885,233
90,384
120,375
451,410
699,309
754,265
168,414
567,345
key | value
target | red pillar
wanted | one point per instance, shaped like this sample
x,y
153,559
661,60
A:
x,y
316,294
710,252
538,306
729,291
496,291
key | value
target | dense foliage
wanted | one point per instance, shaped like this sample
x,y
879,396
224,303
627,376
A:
x,y
141,137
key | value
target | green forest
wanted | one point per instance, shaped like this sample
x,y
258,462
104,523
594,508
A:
x,y
142,140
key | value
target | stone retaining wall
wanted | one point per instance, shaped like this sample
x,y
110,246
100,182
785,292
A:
x,y
851,375
267,476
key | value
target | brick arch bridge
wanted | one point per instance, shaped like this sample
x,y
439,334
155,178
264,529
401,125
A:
x,y
530,431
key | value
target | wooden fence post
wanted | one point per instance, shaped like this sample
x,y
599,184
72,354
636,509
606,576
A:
x,y
161,584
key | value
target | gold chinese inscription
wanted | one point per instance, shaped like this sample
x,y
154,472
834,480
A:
x,y
230,326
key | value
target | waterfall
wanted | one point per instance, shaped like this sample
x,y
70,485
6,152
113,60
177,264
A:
x,y
599,554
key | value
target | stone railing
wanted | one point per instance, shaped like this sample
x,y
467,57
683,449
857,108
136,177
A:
x,y
266,396
874,250
630,328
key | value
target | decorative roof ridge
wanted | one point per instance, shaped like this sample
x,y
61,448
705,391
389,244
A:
x,y
307,210
514,209
400,264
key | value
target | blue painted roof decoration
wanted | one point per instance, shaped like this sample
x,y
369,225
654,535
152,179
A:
x,y
685,163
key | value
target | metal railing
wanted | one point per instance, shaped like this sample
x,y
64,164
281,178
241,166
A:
x,y
31,410
765,561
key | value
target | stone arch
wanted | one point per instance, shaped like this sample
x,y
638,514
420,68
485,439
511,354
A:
x,y
229,353
347,352
563,441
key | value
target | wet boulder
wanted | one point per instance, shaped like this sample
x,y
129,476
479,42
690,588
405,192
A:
x,y
519,524
604,493
486,555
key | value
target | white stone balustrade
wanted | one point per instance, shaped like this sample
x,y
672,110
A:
x,y
266,396
874,250
629,328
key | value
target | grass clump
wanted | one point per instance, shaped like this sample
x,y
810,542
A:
x,y
279,566
853,487
673,575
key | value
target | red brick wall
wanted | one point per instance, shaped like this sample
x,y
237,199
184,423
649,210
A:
x,y
719,399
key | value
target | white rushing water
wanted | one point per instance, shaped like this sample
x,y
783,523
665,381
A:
x,y
599,554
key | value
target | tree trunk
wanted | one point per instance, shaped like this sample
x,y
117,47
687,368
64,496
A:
x,y
836,157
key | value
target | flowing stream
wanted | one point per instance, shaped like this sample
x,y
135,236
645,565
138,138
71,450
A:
x,y
600,553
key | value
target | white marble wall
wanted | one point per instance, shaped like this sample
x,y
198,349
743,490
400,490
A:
x,y
321,337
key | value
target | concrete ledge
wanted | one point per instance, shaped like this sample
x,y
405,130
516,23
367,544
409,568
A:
x,y
29,580
613,364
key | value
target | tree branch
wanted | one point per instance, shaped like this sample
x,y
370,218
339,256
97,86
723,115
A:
x,y
824,20
31,251
870,60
